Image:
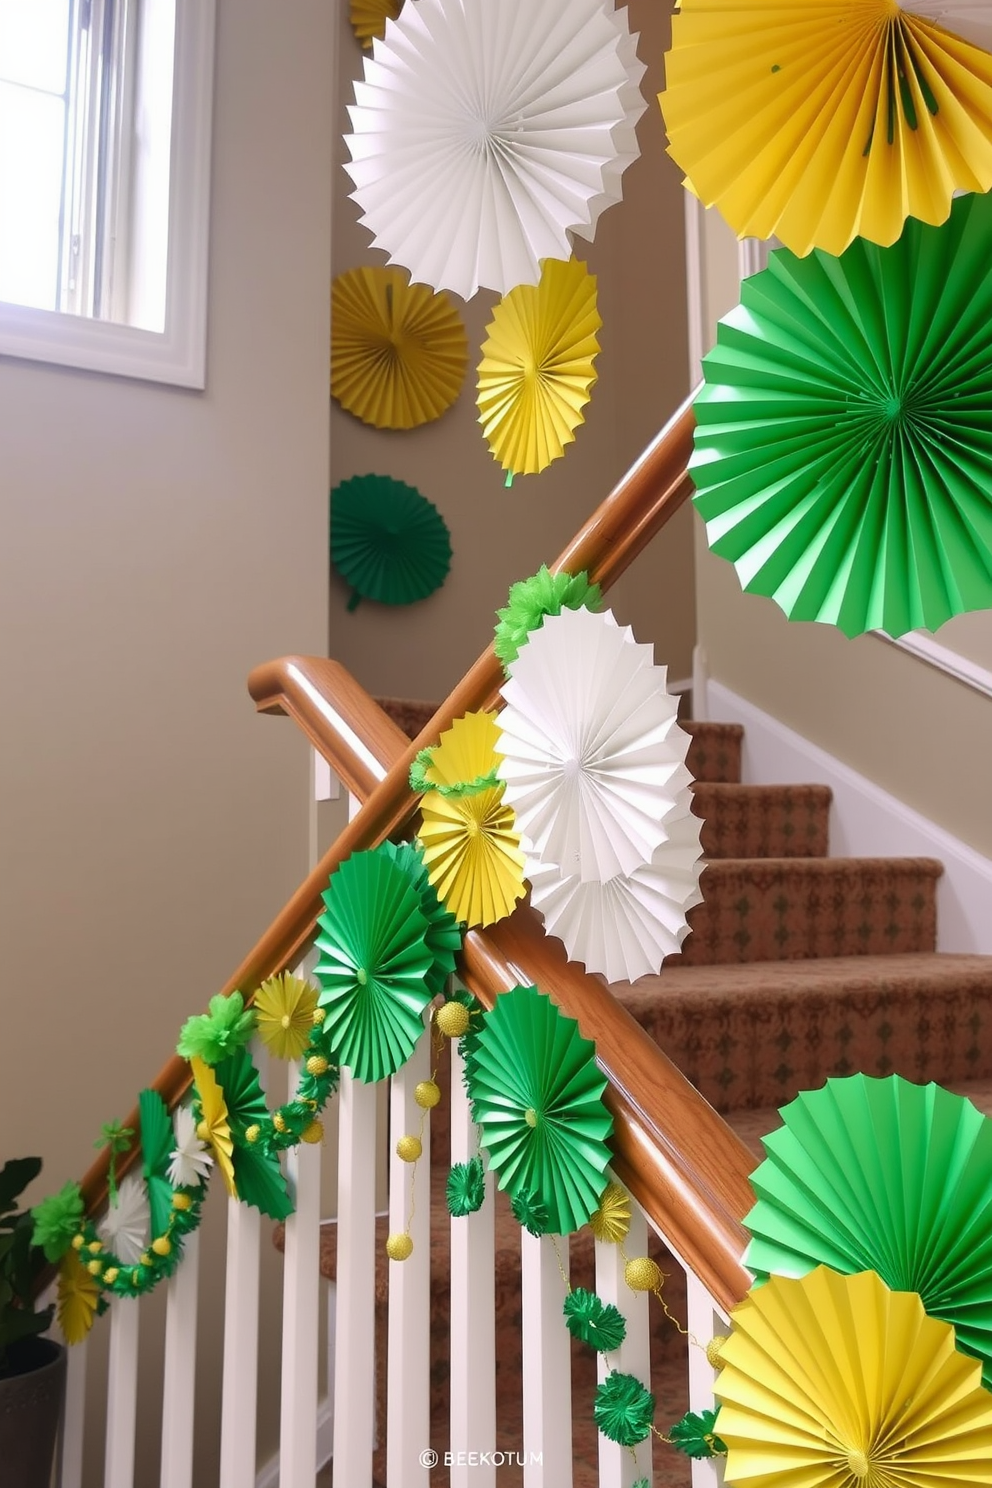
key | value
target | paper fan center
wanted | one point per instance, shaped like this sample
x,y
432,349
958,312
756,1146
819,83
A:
x,y
530,1116
362,977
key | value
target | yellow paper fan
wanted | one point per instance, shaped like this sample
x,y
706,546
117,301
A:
x,y
836,1382
398,350
471,848
537,367
820,120
369,17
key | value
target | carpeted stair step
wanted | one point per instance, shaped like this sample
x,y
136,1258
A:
x,y
755,1035
763,821
786,909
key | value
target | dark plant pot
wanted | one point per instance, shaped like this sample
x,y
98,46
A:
x,y
30,1411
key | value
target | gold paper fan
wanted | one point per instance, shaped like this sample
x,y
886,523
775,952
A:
x,y
820,120
369,17
398,350
537,367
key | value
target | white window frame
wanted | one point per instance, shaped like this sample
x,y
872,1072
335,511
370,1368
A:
x,y
176,355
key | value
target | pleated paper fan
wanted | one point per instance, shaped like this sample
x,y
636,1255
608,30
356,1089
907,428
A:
x,y
373,965
443,936
537,1096
831,1381
257,1174
369,17
484,135
887,1176
398,350
593,757
537,370
625,927
816,121
843,458
387,540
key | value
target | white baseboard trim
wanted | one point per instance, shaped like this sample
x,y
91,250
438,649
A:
x,y
866,821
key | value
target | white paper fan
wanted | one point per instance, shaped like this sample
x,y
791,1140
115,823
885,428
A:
x,y
593,758
485,133
626,927
971,19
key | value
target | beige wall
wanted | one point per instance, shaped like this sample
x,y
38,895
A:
x,y
154,545
500,535
913,730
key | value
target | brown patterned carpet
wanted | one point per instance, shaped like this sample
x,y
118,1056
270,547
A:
x,y
800,966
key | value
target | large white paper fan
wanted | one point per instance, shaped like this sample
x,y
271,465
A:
x,y
593,758
485,132
626,927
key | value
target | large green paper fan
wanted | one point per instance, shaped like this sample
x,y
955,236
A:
x,y
387,540
375,965
537,1097
843,457
886,1176
258,1176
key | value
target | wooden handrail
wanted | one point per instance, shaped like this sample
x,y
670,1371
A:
x,y
705,1203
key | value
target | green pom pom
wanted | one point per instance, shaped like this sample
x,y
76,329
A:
x,y
531,599
624,1409
695,1435
213,1035
594,1321
56,1220
529,1211
466,1188
419,782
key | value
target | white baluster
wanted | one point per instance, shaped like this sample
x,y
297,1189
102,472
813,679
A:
x,y
239,1389
547,1363
408,1390
70,1473
473,1309
179,1383
618,1468
704,1319
354,1355
122,1394
300,1303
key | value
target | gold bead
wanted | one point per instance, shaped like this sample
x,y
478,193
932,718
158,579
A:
x,y
78,1241
252,1134
94,1247
409,1149
279,1122
319,1014
642,1275
162,1245
182,1202
452,1019
859,1463
94,1267
714,1350
316,1065
313,1133
427,1095
110,1275
399,1247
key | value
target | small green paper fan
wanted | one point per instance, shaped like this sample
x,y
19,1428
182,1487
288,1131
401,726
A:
x,y
374,965
257,1174
157,1140
885,1176
537,1098
843,447
387,540
444,936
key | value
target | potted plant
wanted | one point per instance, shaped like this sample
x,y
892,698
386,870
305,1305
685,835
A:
x,y
32,1368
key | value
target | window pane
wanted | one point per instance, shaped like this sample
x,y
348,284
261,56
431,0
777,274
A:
x,y
32,129
34,41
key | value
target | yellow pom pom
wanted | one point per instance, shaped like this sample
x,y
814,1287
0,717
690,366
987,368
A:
x,y
252,1133
145,1258
94,1247
316,1065
452,1019
427,1095
319,1014
642,1275
182,1201
162,1245
279,1122
314,1133
714,1350
611,1221
409,1149
94,1267
399,1247
135,1278
78,1241
110,1275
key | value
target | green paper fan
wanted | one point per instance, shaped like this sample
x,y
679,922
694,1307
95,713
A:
x,y
537,1097
843,449
374,965
257,1173
157,1141
885,1176
444,936
387,540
